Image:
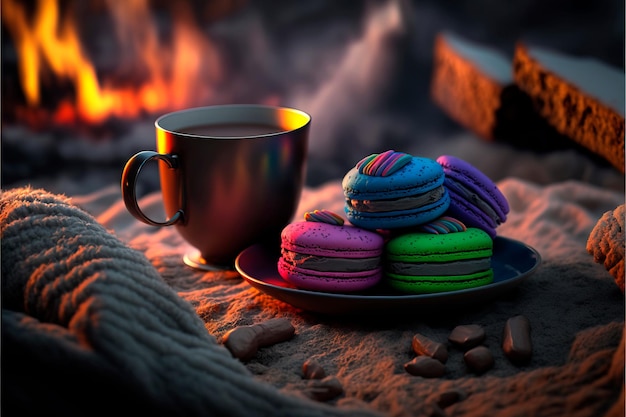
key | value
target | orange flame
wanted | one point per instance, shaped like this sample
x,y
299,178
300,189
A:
x,y
179,74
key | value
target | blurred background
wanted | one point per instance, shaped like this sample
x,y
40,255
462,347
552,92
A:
x,y
84,80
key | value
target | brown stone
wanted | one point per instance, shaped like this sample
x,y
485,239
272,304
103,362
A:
x,y
479,359
426,367
311,369
422,345
606,244
467,336
244,341
516,341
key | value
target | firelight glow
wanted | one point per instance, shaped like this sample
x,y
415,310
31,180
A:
x,y
49,47
291,120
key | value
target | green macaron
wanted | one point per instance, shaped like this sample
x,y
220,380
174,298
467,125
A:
x,y
422,263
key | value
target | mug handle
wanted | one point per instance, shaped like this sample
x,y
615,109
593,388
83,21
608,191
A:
x,y
129,182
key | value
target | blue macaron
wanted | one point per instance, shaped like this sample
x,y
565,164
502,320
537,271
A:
x,y
393,190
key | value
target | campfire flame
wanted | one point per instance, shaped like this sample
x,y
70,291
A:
x,y
174,74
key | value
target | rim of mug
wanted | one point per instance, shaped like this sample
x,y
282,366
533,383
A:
x,y
305,115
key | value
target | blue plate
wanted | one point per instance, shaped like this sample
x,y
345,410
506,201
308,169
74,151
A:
x,y
512,263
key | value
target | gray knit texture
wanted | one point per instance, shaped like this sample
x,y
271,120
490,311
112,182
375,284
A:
x,y
87,294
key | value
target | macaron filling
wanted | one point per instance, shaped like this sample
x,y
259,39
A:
x,y
463,267
404,203
473,198
329,264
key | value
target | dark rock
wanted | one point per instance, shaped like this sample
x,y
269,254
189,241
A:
x,y
311,369
516,341
479,359
467,336
422,345
426,367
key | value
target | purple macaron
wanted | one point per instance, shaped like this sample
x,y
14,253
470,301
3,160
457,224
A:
x,y
474,198
323,254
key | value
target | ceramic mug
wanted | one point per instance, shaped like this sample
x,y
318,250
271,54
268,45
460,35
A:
x,y
230,176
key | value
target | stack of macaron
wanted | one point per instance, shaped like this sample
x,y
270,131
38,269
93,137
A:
x,y
441,215
423,225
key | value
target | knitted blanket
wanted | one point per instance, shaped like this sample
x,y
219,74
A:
x,y
89,325
99,315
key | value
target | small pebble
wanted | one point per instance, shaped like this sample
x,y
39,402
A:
x,y
426,367
324,389
516,341
311,369
422,345
467,336
479,359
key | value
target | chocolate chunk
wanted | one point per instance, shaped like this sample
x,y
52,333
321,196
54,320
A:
x,y
425,366
425,346
324,389
479,359
467,336
311,369
516,341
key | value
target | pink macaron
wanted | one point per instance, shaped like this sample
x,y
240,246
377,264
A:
x,y
323,254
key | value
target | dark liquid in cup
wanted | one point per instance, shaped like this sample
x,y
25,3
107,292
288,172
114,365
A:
x,y
226,130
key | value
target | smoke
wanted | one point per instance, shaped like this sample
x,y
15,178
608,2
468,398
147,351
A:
x,y
350,108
